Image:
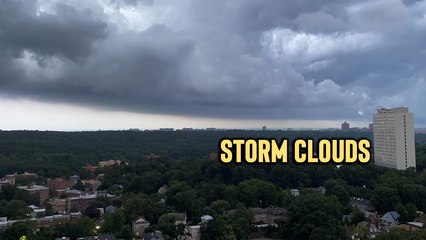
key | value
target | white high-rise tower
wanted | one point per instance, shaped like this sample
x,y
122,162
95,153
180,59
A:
x,y
394,145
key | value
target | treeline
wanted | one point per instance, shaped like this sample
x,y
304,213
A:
x,y
54,153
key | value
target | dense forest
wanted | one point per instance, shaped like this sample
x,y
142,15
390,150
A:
x,y
38,150
56,152
198,186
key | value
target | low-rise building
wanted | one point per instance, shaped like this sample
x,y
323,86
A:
x,y
44,221
4,182
80,203
295,192
100,237
206,219
271,216
64,193
109,163
193,232
91,184
57,219
150,236
58,205
37,212
180,218
372,229
25,175
42,192
89,167
410,226
139,226
59,184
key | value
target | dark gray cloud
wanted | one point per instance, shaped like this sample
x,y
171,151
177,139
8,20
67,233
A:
x,y
68,33
242,58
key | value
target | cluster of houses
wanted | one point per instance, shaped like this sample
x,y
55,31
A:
x,y
377,224
262,218
69,203
66,203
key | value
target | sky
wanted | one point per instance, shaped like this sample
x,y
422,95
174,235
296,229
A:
x,y
118,64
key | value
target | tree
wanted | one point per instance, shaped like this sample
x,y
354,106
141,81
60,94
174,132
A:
x,y
16,209
219,206
385,198
83,226
167,226
357,216
19,229
341,193
79,185
314,214
49,210
141,205
114,222
406,212
255,192
92,211
217,229
359,233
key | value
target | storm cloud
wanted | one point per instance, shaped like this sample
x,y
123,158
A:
x,y
251,59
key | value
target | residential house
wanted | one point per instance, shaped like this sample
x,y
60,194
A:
x,y
101,237
390,219
110,209
269,216
362,204
193,232
206,218
373,230
162,190
150,236
139,226
180,218
295,192
410,226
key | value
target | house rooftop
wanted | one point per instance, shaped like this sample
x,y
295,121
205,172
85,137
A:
x,y
179,216
103,237
393,214
33,187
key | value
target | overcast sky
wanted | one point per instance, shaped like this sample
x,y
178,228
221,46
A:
x,y
116,64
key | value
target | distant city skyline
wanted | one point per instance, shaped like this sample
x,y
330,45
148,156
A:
x,y
62,118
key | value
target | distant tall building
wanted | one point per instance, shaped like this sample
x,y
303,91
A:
x,y
394,145
264,128
345,126
370,127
